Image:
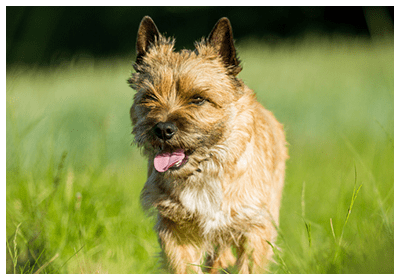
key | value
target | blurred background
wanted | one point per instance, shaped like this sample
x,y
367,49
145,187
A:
x,y
46,35
74,177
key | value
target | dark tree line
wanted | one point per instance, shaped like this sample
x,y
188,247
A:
x,y
42,34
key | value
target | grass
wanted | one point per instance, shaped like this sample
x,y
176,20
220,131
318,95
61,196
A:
x,y
74,179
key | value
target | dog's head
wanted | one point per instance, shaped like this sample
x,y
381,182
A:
x,y
184,101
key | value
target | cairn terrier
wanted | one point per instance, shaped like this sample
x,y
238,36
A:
x,y
216,157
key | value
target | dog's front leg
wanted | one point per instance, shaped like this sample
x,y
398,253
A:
x,y
220,260
253,251
179,247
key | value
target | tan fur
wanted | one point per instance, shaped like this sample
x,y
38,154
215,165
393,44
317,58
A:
x,y
228,193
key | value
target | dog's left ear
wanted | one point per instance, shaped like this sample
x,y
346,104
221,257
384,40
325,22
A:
x,y
221,38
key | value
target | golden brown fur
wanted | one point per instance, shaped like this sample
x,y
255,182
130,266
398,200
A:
x,y
228,192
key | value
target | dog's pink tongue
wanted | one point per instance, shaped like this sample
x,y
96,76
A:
x,y
162,162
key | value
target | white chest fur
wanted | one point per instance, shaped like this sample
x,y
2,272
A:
x,y
204,199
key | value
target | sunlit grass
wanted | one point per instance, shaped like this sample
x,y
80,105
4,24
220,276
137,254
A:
x,y
74,179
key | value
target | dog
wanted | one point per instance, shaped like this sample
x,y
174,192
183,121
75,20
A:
x,y
216,157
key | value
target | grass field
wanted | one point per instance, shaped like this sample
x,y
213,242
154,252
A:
x,y
74,179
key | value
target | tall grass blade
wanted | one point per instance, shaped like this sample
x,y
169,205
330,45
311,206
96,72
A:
x,y
303,203
333,231
353,199
371,176
303,213
14,253
46,264
36,261
56,180
70,258
276,252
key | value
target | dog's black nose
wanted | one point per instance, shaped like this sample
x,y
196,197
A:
x,y
165,130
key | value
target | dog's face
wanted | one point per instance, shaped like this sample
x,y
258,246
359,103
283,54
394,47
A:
x,y
184,100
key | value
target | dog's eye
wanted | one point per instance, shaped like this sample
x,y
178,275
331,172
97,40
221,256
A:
x,y
197,100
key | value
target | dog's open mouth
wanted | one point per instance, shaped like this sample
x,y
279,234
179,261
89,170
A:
x,y
165,160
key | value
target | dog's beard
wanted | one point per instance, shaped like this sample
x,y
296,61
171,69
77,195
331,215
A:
x,y
180,156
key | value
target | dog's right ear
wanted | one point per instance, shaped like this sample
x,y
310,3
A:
x,y
147,35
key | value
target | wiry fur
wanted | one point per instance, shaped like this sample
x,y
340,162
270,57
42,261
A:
x,y
228,193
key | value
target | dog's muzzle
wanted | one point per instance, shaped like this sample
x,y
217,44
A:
x,y
165,130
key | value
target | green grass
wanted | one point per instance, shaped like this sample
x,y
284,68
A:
x,y
74,179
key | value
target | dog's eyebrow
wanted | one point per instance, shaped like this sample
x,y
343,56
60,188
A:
x,y
190,89
203,91
195,91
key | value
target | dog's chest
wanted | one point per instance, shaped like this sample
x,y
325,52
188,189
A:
x,y
204,198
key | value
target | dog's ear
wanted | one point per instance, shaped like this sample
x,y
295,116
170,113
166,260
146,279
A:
x,y
221,38
147,35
